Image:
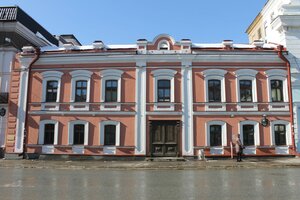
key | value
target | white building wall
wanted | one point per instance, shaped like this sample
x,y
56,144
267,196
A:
x,y
6,57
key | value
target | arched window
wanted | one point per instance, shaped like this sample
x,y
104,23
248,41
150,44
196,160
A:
x,y
163,45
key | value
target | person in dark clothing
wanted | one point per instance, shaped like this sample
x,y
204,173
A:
x,y
239,149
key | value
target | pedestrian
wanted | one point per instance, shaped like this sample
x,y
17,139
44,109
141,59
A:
x,y
239,149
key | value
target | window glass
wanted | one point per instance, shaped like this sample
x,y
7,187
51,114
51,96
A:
x,y
78,134
277,90
81,91
110,135
280,134
215,135
248,135
164,91
245,90
51,91
214,91
111,91
49,134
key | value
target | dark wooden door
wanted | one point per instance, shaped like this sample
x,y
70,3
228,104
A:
x,y
164,138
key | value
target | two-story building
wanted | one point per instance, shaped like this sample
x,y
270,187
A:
x,y
153,98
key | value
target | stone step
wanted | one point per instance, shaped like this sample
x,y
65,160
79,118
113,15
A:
x,y
166,159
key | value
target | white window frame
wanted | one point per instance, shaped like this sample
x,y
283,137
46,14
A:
x,y
71,131
42,131
161,43
250,149
111,74
246,74
51,76
215,74
164,74
285,148
110,149
79,75
216,150
278,74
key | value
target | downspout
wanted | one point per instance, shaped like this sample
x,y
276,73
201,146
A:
x,y
35,58
288,65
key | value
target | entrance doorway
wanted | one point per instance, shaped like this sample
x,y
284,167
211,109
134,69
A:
x,y
164,138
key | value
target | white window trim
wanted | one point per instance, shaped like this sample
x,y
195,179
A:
x,y
102,128
71,131
77,76
164,74
51,76
224,132
278,74
216,74
256,131
42,131
165,42
111,74
246,74
288,132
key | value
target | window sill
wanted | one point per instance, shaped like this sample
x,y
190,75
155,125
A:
x,y
162,106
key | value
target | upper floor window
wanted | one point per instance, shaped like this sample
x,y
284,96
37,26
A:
x,y
163,45
110,135
277,90
51,88
164,91
81,91
164,88
111,91
246,91
214,90
51,91
215,135
111,88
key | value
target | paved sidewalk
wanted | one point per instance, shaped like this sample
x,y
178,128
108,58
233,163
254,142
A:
x,y
250,163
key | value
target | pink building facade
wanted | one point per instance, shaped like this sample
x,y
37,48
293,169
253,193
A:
x,y
161,98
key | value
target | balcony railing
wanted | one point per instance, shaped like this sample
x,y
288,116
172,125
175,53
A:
x,y
3,97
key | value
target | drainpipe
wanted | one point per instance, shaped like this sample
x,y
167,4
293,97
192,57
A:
x,y
288,65
35,58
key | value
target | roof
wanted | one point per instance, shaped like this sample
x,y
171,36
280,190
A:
x,y
16,14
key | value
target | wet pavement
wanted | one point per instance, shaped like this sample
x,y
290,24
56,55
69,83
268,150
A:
x,y
231,184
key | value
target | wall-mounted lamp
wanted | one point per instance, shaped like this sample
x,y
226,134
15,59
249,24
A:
x,y
264,120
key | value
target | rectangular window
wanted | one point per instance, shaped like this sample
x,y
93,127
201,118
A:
x,y
248,135
163,91
110,135
215,135
51,91
277,90
81,91
111,91
245,90
214,91
280,134
78,134
49,134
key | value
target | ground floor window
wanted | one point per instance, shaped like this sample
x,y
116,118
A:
x,y
78,136
280,134
110,135
215,135
49,133
248,135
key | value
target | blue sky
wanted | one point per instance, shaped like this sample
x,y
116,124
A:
x,y
125,21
